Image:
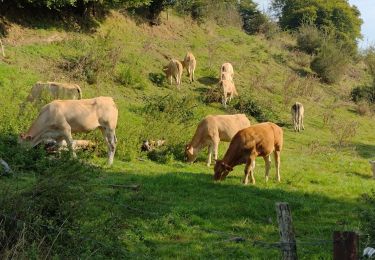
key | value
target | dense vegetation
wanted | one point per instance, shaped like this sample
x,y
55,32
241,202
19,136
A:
x,y
154,205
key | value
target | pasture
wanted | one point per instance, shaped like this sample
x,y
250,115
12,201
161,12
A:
x,y
63,207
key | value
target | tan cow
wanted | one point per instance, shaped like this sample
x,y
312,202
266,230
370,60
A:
x,y
174,69
213,129
249,143
228,91
297,116
190,63
55,90
227,70
60,118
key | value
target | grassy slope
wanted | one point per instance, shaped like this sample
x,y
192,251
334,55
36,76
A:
x,y
181,212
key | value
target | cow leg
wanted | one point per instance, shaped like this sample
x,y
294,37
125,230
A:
x,y
277,164
69,140
192,75
111,140
210,149
249,169
303,127
267,160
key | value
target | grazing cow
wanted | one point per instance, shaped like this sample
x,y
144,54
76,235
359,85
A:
x,y
60,118
249,143
372,163
297,116
174,69
226,68
213,129
228,91
190,63
55,90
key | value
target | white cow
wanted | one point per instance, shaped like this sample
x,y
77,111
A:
x,y
60,118
297,116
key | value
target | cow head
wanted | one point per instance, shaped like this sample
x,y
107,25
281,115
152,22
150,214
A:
x,y
190,153
221,170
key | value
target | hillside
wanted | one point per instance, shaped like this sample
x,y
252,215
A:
x,y
65,207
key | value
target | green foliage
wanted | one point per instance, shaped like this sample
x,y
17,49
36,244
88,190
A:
x,y
337,15
330,62
252,108
129,77
309,38
254,21
368,216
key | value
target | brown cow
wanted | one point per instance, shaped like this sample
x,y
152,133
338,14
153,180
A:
x,y
55,90
213,129
190,64
174,69
60,118
249,143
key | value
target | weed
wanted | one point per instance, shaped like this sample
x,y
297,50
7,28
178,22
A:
x,y
129,77
343,131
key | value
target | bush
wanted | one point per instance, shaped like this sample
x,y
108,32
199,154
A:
x,y
129,77
250,107
163,113
330,62
98,57
343,131
363,108
309,38
364,93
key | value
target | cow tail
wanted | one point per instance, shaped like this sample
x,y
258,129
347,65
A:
x,y
79,92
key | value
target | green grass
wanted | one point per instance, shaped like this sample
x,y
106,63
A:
x,y
178,211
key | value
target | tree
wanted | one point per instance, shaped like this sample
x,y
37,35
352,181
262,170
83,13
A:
x,y
334,15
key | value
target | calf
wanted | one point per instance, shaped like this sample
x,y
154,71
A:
x,y
211,130
249,143
60,118
297,116
228,91
174,70
190,63
227,69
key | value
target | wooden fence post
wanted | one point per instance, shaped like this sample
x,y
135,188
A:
x,y
345,245
288,241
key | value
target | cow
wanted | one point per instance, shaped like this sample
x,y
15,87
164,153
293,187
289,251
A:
x,y
249,143
227,69
190,63
54,90
211,130
226,76
60,118
297,116
228,91
174,69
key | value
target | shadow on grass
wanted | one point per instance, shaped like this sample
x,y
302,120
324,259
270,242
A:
x,y
208,81
158,79
366,151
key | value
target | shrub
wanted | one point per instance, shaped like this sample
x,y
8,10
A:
x,y
330,62
343,131
129,77
250,107
363,93
363,108
100,56
309,38
168,112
